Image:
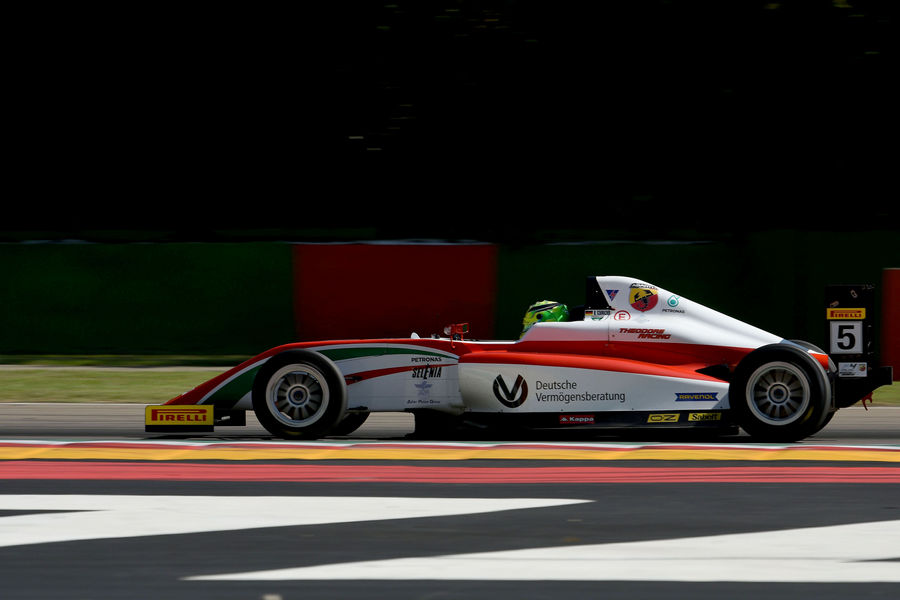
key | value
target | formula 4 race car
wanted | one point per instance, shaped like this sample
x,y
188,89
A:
x,y
634,356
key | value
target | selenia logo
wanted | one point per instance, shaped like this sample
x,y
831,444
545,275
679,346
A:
x,y
510,397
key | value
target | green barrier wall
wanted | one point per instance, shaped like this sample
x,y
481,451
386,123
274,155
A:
x,y
144,298
237,298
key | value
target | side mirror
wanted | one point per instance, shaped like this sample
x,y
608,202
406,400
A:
x,y
456,330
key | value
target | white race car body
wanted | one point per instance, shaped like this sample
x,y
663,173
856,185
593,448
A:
x,y
637,356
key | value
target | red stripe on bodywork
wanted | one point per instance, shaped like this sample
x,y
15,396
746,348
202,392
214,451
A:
x,y
647,358
664,353
143,471
197,394
822,359
599,363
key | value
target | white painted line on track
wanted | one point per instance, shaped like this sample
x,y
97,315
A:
x,y
118,516
840,553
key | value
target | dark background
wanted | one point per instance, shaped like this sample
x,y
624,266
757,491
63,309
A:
x,y
509,121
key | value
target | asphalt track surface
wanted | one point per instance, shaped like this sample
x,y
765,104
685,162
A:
x,y
92,507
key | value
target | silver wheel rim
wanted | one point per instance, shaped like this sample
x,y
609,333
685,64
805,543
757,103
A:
x,y
297,395
778,393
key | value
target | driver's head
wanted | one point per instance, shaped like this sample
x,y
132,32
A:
x,y
544,310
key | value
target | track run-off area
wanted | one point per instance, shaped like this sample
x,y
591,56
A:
x,y
90,502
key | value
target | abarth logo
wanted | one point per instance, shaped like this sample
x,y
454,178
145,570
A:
x,y
510,397
642,298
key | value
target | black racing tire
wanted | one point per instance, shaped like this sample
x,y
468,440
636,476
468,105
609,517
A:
x,y
826,421
299,394
832,368
779,393
350,423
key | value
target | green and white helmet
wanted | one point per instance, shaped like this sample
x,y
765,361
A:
x,y
544,310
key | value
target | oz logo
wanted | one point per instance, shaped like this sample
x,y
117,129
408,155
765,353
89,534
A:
x,y
510,397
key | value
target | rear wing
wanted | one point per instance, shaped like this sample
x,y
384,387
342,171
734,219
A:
x,y
852,343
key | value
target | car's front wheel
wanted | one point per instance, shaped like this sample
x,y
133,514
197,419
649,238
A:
x,y
299,395
350,423
779,393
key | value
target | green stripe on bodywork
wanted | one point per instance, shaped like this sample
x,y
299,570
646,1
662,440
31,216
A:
x,y
229,394
232,392
356,352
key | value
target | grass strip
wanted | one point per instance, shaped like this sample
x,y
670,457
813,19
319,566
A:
x,y
121,360
89,384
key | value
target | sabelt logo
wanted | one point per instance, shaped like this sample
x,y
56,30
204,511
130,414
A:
x,y
510,397
705,417
846,314
179,415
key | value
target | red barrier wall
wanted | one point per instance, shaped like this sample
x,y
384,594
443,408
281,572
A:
x,y
391,290
890,320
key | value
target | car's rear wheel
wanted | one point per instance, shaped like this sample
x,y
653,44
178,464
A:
x,y
299,395
779,393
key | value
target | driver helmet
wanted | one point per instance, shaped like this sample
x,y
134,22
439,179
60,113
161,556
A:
x,y
544,310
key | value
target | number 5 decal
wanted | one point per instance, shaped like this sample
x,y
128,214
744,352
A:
x,y
846,337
